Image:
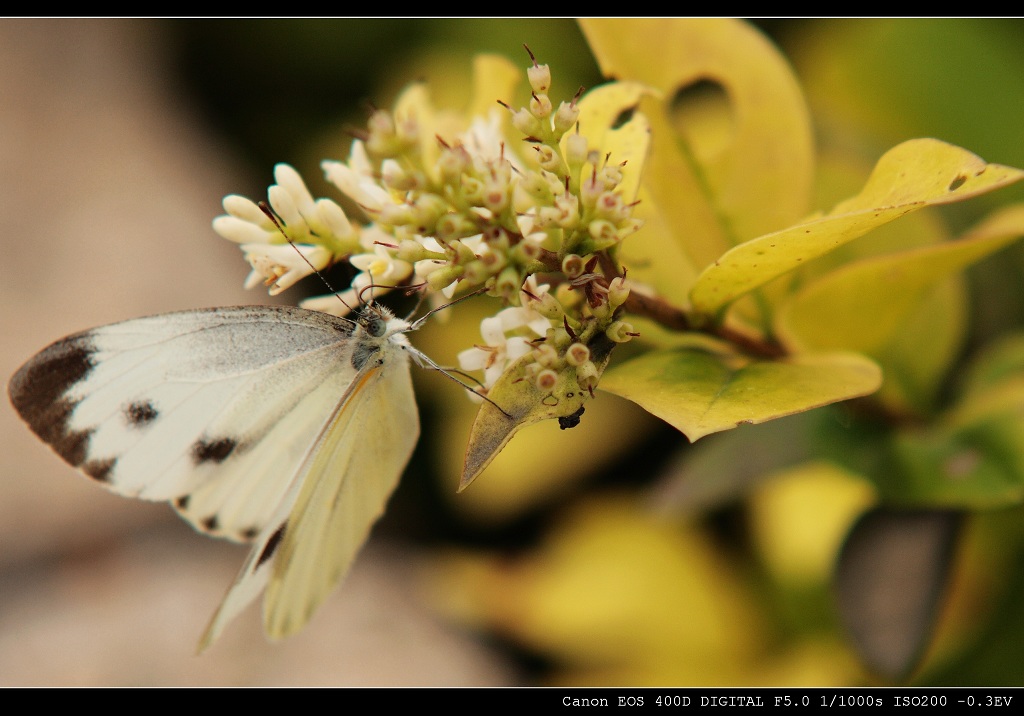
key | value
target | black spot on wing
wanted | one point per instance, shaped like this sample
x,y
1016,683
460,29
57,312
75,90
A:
x,y
210,524
249,534
38,391
44,380
99,470
71,445
181,503
212,451
272,543
140,413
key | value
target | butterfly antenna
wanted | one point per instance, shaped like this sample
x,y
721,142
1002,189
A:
x,y
425,362
422,319
272,215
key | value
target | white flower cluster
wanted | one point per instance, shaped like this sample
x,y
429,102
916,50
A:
x,y
453,202
508,336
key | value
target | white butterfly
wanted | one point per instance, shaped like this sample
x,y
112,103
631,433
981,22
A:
x,y
278,426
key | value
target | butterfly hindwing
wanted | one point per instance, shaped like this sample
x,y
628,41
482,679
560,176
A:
x,y
340,490
352,474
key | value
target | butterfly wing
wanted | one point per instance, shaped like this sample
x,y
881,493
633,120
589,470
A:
x,y
209,409
344,483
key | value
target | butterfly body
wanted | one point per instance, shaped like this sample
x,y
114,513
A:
x,y
278,426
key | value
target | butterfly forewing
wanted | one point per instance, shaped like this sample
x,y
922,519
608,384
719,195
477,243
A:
x,y
179,406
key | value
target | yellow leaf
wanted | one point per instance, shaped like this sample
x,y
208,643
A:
x,y
700,392
608,586
601,110
884,306
910,176
751,171
800,516
494,77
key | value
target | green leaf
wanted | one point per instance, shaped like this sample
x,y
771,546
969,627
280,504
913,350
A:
x,y
1000,361
713,178
979,467
890,307
973,456
701,392
913,175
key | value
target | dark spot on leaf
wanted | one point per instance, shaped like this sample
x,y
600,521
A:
x,y
600,346
140,413
962,464
571,421
623,117
704,101
272,543
216,451
957,183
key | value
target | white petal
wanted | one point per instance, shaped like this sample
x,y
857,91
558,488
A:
x,y
517,347
246,210
426,267
359,188
430,244
473,358
492,331
331,303
358,159
291,181
234,229
333,218
285,207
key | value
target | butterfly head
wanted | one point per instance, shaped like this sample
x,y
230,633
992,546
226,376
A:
x,y
380,322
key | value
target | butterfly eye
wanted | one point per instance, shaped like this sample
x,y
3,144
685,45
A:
x,y
375,326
